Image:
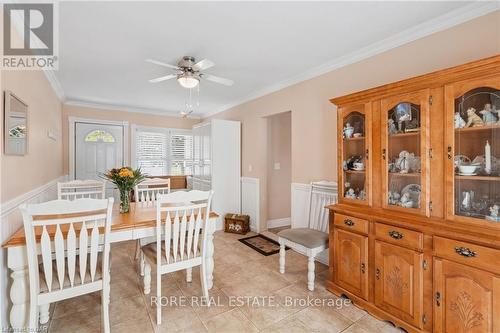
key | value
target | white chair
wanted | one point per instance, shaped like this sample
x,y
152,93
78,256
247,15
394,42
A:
x,y
77,189
181,218
69,267
313,239
148,191
146,194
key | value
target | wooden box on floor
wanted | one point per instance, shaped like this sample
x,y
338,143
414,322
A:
x,y
428,262
237,224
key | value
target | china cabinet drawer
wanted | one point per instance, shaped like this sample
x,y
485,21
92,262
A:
x,y
351,223
399,236
467,253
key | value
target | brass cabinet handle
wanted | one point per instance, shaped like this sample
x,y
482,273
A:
x,y
348,222
377,273
383,153
363,268
395,234
449,153
465,251
438,298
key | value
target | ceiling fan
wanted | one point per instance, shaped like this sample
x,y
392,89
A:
x,y
189,72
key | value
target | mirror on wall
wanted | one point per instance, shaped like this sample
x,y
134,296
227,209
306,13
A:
x,y
15,125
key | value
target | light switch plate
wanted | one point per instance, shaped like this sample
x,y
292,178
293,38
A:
x,y
277,166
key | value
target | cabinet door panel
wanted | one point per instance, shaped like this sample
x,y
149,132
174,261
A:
x,y
466,299
399,282
351,264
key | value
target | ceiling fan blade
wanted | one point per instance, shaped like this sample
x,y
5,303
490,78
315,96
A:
x,y
156,62
203,64
163,78
218,79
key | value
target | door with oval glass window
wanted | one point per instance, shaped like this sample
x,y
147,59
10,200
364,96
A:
x,y
98,148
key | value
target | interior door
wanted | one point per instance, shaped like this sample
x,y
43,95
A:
x,y
351,258
98,148
399,282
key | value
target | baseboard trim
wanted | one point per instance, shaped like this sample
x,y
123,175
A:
x,y
276,223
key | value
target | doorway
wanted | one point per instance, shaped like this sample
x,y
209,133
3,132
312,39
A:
x,y
96,147
279,170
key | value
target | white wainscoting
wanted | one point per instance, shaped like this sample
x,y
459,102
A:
x,y
11,221
300,210
250,201
279,222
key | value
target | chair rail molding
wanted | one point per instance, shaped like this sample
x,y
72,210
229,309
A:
x,y
11,221
250,201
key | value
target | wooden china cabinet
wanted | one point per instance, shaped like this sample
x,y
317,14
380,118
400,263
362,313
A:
x,y
415,237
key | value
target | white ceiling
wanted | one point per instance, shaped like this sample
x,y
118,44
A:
x,y
261,46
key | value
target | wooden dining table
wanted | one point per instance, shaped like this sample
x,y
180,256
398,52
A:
x,y
139,223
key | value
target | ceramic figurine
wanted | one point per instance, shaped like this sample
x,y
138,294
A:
x,y
350,194
467,200
393,198
459,122
348,131
473,120
406,201
488,116
412,125
362,195
392,127
494,213
403,162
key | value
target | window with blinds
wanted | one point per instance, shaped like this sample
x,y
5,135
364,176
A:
x,y
160,152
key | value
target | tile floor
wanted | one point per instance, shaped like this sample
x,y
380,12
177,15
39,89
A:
x,y
239,271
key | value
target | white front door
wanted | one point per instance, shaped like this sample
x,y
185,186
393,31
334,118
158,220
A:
x,y
98,148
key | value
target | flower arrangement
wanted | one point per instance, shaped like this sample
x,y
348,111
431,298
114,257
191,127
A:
x,y
125,179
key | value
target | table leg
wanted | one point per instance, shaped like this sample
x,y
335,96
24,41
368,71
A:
x,y
19,295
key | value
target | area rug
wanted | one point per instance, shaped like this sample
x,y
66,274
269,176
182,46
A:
x,y
262,244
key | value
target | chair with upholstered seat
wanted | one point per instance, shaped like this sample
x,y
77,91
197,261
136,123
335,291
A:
x,y
67,262
181,239
310,240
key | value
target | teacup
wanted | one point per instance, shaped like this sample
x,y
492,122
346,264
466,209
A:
x,y
467,169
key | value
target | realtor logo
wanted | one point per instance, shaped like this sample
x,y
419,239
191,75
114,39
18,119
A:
x,y
28,36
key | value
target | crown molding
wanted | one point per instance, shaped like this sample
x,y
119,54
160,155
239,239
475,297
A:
x,y
55,84
88,103
440,23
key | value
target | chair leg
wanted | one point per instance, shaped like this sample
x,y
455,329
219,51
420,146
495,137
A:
x,y
33,316
310,273
142,263
105,305
158,298
44,313
147,278
189,274
137,249
204,283
282,257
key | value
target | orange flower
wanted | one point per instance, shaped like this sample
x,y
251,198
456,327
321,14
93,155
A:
x,y
124,172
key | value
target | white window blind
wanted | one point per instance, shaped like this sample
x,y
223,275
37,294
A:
x,y
160,152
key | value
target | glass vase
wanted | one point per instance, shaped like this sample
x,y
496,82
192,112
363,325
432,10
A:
x,y
124,201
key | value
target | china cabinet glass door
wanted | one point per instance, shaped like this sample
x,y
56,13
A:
x,y
473,149
404,147
355,136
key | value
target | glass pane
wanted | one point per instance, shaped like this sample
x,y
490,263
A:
x,y
98,135
354,156
403,156
477,154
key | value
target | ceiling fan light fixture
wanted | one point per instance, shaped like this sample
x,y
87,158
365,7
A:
x,y
188,81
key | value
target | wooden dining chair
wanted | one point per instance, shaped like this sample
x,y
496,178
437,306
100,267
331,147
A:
x,y
145,194
148,191
68,263
181,218
77,189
